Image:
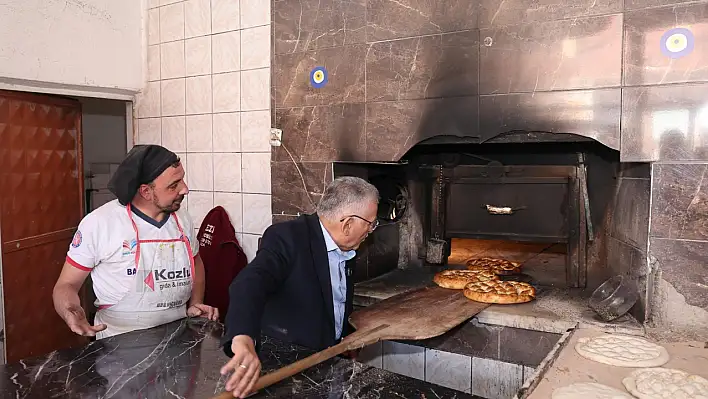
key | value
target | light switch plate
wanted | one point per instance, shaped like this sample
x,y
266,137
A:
x,y
276,137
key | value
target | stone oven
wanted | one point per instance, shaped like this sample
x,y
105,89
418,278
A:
x,y
568,113
551,202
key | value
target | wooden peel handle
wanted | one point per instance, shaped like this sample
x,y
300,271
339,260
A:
x,y
290,370
358,339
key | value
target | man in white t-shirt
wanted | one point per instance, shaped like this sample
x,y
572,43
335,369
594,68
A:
x,y
140,250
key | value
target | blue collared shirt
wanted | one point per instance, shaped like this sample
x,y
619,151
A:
x,y
337,260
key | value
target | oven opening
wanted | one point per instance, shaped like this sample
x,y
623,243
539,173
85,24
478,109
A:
x,y
557,208
542,264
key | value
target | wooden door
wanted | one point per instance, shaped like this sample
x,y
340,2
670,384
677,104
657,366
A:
x,y
41,204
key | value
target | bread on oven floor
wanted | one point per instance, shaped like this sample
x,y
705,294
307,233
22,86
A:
x,y
496,265
500,292
457,279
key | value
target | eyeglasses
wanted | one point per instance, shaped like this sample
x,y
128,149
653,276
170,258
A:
x,y
372,224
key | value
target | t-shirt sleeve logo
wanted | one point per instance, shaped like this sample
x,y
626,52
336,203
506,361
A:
x,y
76,241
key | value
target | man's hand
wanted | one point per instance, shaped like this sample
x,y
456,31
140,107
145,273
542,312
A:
x,y
76,320
202,310
245,365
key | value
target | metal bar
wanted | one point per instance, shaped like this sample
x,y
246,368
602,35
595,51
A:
x,y
506,236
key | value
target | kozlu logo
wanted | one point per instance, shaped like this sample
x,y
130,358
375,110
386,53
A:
x,y
129,247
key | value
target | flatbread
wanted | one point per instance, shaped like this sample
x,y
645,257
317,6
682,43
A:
x,y
663,383
589,390
622,351
501,292
458,279
498,266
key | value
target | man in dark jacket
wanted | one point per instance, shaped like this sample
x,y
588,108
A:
x,y
298,288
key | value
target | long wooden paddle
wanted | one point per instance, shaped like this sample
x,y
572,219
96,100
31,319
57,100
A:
x,y
420,314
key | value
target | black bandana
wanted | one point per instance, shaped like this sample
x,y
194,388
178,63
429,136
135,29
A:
x,y
142,165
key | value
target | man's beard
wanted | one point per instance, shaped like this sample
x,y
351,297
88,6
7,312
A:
x,y
173,207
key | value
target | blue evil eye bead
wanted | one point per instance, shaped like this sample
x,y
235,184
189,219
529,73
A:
x,y
318,77
677,42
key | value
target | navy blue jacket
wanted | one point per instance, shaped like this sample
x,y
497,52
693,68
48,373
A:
x,y
285,292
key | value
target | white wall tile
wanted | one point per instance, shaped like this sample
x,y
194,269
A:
x,y
224,15
153,26
173,133
226,90
233,204
226,50
254,13
255,89
153,60
148,101
256,172
199,204
200,171
166,2
255,131
149,131
172,60
183,159
249,243
199,133
153,3
227,172
257,214
404,359
172,94
450,370
255,47
227,132
171,22
197,18
198,95
198,56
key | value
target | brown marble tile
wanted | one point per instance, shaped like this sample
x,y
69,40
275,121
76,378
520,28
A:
x,y
345,67
391,19
302,25
680,201
557,55
589,113
665,123
631,212
283,218
423,67
298,187
393,127
636,4
682,264
322,134
502,12
645,62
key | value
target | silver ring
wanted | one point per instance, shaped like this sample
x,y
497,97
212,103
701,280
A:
x,y
243,366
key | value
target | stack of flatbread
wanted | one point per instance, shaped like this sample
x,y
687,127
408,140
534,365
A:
x,y
648,381
481,282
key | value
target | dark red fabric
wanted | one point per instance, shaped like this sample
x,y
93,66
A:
x,y
223,258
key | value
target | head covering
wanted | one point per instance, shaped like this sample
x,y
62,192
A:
x,y
142,165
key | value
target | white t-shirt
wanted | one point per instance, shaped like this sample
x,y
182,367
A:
x,y
105,245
